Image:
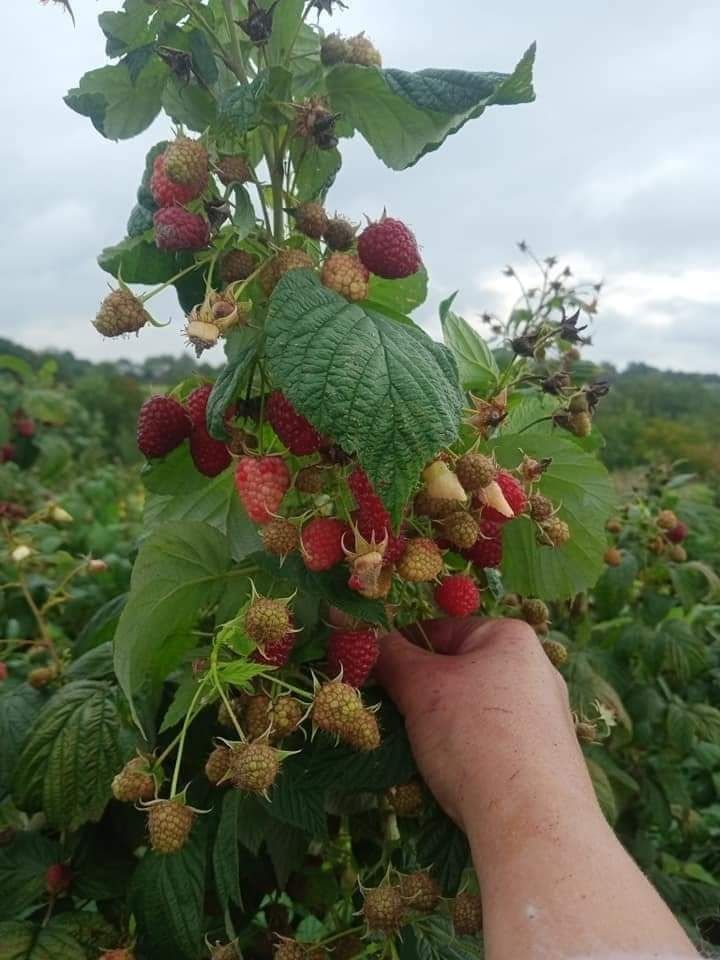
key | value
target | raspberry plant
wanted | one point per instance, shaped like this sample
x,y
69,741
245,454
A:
x,y
343,468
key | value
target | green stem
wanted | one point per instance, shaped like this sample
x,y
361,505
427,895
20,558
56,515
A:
x,y
236,56
168,749
193,266
305,694
183,733
220,689
343,933
196,15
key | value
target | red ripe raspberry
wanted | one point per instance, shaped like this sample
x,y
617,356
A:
x,y
297,433
58,878
261,483
162,426
677,533
486,552
178,229
388,249
458,595
371,517
167,193
321,542
209,455
197,403
355,651
276,653
514,494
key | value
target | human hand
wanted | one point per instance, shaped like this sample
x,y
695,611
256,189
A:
x,y
487,714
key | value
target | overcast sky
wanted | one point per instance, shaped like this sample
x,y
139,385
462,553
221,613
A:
x,y
615,168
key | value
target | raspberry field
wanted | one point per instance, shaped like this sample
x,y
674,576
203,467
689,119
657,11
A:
x,y
199,565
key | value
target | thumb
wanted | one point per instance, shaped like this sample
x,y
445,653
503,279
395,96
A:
x,y
397,666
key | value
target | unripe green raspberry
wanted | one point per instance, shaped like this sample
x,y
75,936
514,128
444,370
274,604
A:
x,y
280,537
556,652
346,275
216,765
407,799
267,620
362,733
555,531
666,520
186,161
460,529
541,507
339,234
361,51
169,825
534,611
335,707
134,782
287,715
422,561
254,766
234,168
466,912
420,891
257,719
333,49
383,909
475,471
310,219
120,312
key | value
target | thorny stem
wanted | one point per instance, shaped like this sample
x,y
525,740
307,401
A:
x,y
183,733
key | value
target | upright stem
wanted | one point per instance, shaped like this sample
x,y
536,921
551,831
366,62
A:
x,y
236,56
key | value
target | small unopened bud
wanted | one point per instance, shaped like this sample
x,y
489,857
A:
x,y
96,566
441,483
21,553
58,515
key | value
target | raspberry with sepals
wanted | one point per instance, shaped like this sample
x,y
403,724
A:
x,y
237,265
534,611
361,51
295,431
555,531
267,619
580,424
134,782
254,766
282,263
234,168
217,763
540,507
677,553
407,799
557,652
612,557
186,162
311,479
41,676
384,909
162,425
458,595
310,219
287,716
340,234
178,229
421,561
209,455
287,949
345,274
363,732
336,706
677,533
466,913
475,471
513,493
321,542
333,49
276,653
614,525
169,824
460,529
120,312
666,520
436,508
261,483
58,878
167,193
280,537
420,891
353,651
389,249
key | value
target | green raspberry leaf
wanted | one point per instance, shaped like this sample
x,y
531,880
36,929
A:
x,y
240,349
138,260
405,115
118,104
71,755
401,295
23,940
579,485
476,364
180,570
383,390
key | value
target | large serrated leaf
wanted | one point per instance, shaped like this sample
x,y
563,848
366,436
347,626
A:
x,y
138,260
180,570
22,873
239,109
579,485
226,851
167,899
23,940
476,365
433,938
119,105
71,755
405,115
384,390
18,709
